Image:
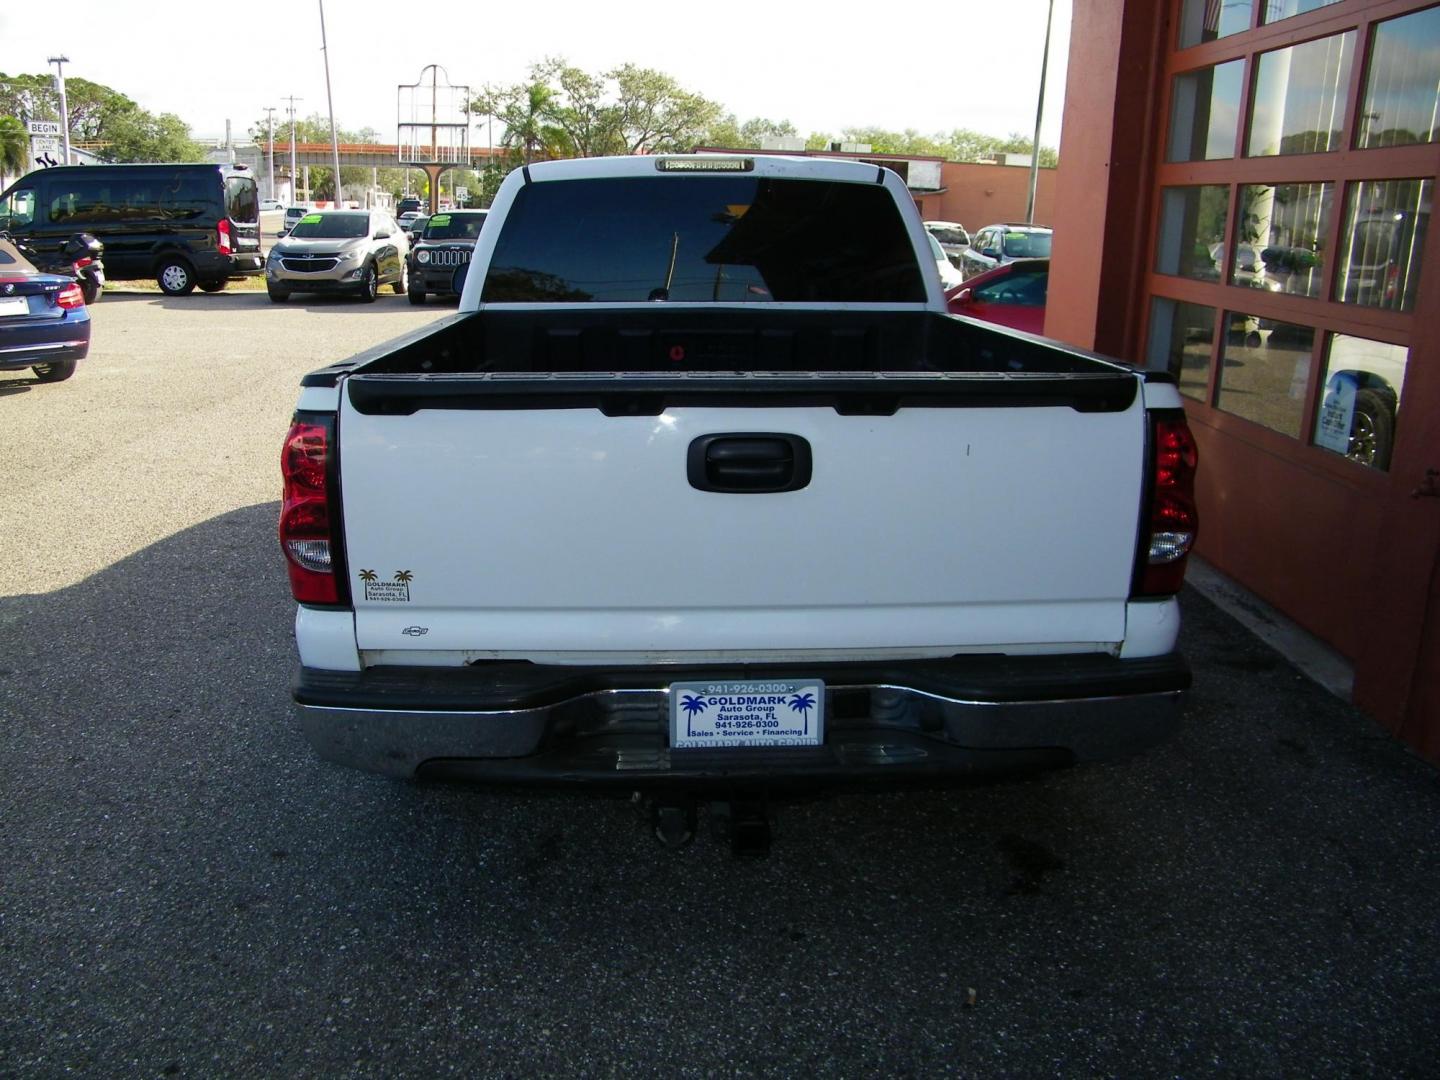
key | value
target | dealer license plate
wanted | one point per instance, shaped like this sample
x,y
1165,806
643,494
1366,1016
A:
x,y
14,305
758,712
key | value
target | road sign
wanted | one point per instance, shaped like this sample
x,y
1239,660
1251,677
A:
x,y
462,192
45,127
46,152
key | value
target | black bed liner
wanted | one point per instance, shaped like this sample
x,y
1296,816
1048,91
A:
x,y
629,361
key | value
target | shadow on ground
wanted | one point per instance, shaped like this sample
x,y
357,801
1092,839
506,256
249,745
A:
x,y
249,297
188,891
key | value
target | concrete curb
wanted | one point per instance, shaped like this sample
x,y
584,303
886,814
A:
x,y
1308,653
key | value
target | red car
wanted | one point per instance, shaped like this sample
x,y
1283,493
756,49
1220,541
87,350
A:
x,y
1012,295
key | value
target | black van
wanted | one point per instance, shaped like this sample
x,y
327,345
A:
x,y
183,225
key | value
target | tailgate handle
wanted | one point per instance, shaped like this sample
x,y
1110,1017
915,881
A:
x,y
749,463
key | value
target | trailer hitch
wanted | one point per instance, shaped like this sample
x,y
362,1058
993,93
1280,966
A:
x,y
742,822
745,823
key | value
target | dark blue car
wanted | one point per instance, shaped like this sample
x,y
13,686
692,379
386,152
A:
x,y
44,324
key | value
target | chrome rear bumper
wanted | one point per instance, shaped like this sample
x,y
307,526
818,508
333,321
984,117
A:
x,y
519,723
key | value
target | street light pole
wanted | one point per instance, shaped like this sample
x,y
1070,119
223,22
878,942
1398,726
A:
x,y
1039,112
294,176
330,101
270,125
60,62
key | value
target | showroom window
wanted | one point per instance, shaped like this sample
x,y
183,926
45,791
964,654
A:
x,y
1291,211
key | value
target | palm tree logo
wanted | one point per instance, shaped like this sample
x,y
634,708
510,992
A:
x,y
404,577
367,576
692,704
803,703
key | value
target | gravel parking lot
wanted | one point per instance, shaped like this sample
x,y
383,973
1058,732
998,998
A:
x,y
186,891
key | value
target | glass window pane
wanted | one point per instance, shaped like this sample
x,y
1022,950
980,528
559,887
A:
x,y
1361,404
1206,20
1205,112
1402,93
1275,10
1300,97
720,238
1382,243
1181,336
1192,231
1265,370
1279,237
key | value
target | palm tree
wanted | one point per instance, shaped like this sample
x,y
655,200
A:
x,y
404,577
692,704
14,146
528,118
368,575
803,703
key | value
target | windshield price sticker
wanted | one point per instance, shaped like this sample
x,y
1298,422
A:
x,y
749,713
310,219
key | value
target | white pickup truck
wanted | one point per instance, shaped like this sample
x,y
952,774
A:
x,y
702,487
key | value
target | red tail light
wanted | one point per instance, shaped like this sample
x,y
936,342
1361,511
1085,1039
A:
x,y
307,521
1173,520
83,262
222,243
70,297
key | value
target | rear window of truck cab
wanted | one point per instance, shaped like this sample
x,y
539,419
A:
x,y
695,239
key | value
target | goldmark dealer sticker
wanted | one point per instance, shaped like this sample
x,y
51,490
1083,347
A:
x,y
394,591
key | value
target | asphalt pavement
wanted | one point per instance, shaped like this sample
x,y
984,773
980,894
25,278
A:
x,y
186,891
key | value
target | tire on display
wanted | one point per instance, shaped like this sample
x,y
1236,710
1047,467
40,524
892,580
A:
x,y
279,296
212,286
370,285
417,296
175,277
58,371
1372,430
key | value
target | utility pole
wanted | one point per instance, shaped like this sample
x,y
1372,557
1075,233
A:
x,y
1039,112
270,125
330,101
294,173
60,62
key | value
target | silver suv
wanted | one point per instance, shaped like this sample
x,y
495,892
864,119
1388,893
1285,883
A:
x,y
344,251
996,245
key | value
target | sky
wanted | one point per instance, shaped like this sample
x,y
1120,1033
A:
x,y
970,64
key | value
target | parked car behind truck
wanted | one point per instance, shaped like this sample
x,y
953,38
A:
x,y
996,245
184,225
44,323
441,254
697,492
339,251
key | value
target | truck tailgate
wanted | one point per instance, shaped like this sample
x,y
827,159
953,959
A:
x,y
559,532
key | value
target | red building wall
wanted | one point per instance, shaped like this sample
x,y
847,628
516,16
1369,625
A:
x,y
977,195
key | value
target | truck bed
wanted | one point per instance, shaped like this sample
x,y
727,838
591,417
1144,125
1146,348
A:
x,y
599,339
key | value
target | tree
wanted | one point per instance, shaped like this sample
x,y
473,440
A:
x,y
14,146
726,131
527,111
656,115
564,111
106,119
577,107
961,144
